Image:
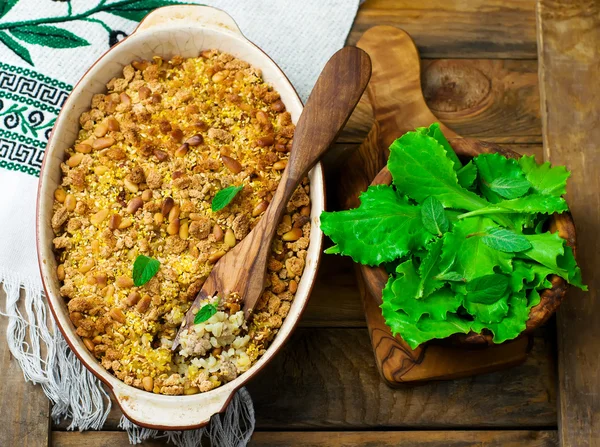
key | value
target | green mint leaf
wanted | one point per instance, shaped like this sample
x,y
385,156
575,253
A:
x,y
544,178
144,268
420,169
6,6
486,297
510,326
428,282
467,174
425,329
510,188
505,240
436,133
487,289
224,197
500,177
205,312
15,47
465,254
48,36
433,217
492,312
552,251
383,228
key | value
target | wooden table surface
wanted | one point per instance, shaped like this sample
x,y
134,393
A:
x,y
480,77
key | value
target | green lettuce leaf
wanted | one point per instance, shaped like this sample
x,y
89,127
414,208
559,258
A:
x,y
535,203
552,251
399,294
333,250
510,326
486,297
522,275
467,175
428,269
533,299
384,227
420,169
464,245
544,178
436,133
487,289
465,253
425,329
492,312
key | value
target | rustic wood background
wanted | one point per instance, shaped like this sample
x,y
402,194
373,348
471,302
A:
x,y
480,77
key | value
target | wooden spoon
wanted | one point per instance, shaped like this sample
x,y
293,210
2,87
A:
x,y
334,97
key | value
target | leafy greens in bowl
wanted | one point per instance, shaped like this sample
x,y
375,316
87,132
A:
x,y
467,246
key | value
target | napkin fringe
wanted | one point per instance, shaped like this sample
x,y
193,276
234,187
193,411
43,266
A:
x,y
233,428
45,357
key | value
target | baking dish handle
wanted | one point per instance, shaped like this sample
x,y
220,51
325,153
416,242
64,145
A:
x,y
161,412
195,15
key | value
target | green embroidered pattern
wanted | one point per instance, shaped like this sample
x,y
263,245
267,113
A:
x,y
27,125
40,32
29,103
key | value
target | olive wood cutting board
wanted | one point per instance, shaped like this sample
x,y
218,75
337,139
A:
x,y
398,107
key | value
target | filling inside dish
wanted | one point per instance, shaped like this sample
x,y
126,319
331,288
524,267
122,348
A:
x,y
138,188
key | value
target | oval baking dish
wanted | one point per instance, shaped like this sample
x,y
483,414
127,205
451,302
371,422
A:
x,y
169,31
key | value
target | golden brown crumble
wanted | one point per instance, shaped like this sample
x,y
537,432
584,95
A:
x,y
150,155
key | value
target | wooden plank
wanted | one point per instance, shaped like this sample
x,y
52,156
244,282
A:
x,y
98,439
406,439
335,300
472,28
516,438
494,100
327,378
569,36
25,408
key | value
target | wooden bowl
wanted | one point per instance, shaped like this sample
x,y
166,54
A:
x,y
376,277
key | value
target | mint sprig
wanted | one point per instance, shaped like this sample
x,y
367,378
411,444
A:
x,y
224,197
205,312
144,269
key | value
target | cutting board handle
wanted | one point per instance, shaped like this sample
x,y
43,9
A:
x,y
395,90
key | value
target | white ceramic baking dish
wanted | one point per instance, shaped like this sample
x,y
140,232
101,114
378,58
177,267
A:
x,y
183,30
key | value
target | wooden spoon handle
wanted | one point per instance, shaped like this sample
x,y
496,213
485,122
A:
x,y
331,102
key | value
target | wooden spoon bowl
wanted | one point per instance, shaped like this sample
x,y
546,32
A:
x,y
465,148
